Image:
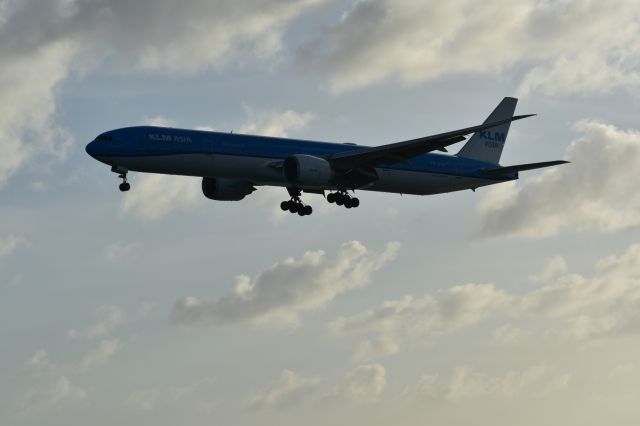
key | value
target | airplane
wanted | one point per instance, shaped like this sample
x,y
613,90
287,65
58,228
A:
x,y
233,165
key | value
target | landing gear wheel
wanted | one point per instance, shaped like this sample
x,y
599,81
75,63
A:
x,y
295,204
342,198
124,186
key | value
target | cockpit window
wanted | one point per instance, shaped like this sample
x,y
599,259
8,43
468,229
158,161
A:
x,y
105,137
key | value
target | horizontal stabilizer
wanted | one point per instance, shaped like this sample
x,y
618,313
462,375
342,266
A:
x,y
521,167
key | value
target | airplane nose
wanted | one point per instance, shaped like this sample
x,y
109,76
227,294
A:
x,y
91,149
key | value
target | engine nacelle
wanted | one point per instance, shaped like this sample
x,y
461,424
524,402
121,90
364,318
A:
x,y
307,170
226,189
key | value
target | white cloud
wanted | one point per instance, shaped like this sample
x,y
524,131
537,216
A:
x,y
198,34
570,306
282,292
28,80
364,384
413,318
101,355
108,318
39,364
163,396
414,41
464,383
52,395
508,335
291,389
9,243
43,43
275,123
146,309
159,121
622,370
554,268
154,196
583,72
596,192
118,251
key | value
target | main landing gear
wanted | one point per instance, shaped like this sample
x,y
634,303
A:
x,y
122,174
295,205
341,198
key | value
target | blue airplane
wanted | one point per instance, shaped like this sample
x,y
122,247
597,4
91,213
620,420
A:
x,y
233,165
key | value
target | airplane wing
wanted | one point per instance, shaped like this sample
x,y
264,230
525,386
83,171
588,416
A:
x,y
403,151
521,167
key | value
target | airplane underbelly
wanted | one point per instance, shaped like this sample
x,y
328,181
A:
x,y
422,183
260,171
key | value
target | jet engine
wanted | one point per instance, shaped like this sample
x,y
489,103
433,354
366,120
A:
x,y
307,170
226,189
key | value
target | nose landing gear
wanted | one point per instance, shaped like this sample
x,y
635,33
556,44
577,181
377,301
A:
x,y
122,174
341,198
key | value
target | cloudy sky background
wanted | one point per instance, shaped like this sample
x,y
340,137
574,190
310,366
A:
x,y
517,303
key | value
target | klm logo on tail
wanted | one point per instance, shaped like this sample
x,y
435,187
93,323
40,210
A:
x,y
493,136
493,140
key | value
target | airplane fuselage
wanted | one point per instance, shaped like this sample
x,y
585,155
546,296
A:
x,y
258,160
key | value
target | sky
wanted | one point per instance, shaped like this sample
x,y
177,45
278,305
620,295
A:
x,y
517,303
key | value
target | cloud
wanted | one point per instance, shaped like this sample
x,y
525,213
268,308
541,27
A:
x,y
154,196
159,121
39,364
569,306
43,44
9,243
29,78
415,41
101,355
118,251
52,395
279,294
196,35
163,396
277,124
464,383
364,384
291,389
414,318
596,192
108,318
508,335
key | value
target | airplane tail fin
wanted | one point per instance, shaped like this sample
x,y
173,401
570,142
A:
x,y
487,145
